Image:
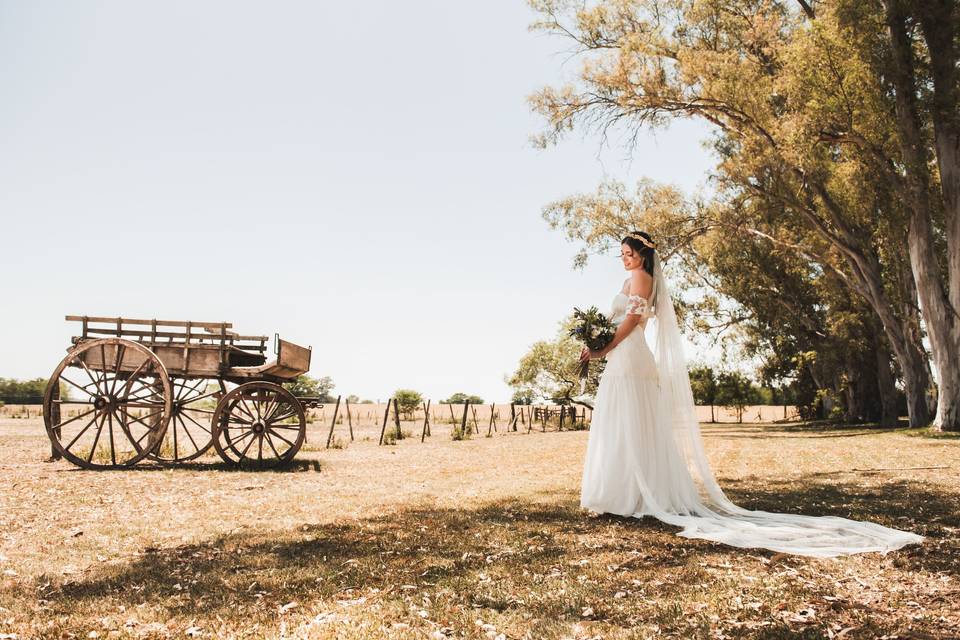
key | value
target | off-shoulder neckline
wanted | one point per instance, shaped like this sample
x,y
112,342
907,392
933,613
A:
x,y
627,295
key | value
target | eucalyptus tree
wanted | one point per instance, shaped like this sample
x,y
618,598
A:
x,y
805,136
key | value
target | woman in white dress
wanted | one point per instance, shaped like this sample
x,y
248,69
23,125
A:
x,y
645,455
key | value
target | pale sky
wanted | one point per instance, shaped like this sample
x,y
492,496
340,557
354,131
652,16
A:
x,y
354,176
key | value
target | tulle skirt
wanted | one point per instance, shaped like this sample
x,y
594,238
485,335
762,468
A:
x,y
634,466
629,470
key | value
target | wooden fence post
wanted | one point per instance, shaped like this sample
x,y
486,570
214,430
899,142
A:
x,y
529,417
563,412
543,417
426,421
396,418
349,420
333,422
463,424
493,421
473,412
383,429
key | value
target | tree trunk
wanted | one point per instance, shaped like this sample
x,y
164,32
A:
x,y
867,280
939,22
886,387
856,391
906,344
938,312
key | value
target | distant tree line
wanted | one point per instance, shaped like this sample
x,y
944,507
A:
x,y
460,398
22,391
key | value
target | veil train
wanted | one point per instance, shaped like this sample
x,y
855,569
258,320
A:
x,y
696,502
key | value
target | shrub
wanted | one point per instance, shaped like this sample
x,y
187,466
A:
x,y
408,401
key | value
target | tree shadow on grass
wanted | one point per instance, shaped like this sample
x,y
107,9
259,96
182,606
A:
x,y
519,559
804,431
821,429
203,464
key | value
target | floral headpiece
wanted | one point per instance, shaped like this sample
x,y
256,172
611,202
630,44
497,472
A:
x,y
649,243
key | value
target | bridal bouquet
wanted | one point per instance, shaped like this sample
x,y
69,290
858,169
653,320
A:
x,y
593,329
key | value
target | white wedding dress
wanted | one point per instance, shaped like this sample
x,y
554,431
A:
x,y
645,455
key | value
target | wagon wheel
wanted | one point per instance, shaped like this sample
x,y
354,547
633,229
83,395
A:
x,y
125,399
259,425
189,435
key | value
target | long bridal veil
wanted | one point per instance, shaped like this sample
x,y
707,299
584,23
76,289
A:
x,y
704,511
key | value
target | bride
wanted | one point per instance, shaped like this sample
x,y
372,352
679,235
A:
x,y
644,452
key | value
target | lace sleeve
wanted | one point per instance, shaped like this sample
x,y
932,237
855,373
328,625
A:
x,y
639,306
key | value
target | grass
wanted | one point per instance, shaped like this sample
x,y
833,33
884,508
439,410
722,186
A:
x,y
928,432
472,539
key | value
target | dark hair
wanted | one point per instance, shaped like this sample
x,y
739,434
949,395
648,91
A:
x,y
641,249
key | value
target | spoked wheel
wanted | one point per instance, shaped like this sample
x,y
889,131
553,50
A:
x,y
108,404
190,433
259,425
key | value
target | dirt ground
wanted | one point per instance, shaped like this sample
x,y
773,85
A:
x,y
475,538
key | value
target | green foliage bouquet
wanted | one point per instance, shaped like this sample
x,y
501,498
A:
x,y
593,329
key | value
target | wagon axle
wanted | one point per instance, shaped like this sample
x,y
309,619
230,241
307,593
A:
x,y
108,403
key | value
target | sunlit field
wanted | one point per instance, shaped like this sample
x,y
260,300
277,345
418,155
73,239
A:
x,y
480,537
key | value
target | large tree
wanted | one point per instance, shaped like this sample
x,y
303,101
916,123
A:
x,y
808,144
923,53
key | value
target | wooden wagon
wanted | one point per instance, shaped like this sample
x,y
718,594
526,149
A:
x,y
131,389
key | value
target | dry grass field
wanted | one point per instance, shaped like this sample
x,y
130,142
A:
x,y
480,538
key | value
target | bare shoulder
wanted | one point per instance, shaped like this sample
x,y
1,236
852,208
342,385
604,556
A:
x,y
641,283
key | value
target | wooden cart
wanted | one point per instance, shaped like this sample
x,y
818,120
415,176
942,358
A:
x,y
132,389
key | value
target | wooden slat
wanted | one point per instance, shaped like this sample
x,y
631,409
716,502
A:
x,y
112,331
216,331
249,349
159,343
167,323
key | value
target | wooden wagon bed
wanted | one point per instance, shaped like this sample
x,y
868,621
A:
x,y
193,349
